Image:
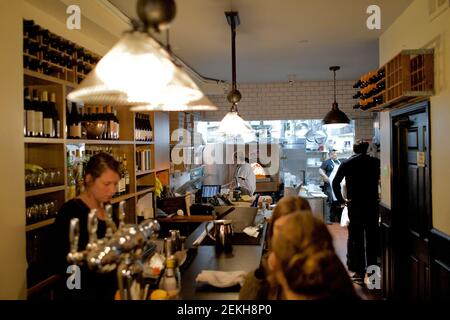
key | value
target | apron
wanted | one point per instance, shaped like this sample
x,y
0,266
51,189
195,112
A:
x,y
332,175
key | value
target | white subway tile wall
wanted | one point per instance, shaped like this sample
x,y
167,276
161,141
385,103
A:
x,y
300,100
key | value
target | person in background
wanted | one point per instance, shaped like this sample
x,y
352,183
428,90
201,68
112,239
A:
x,y
362,175
245,177
303,261
328,171
256,286
102,175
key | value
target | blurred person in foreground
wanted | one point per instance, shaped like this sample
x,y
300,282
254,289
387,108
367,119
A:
x,y
256,286
303,261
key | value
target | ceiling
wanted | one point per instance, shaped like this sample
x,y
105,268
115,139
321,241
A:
x,y
277,38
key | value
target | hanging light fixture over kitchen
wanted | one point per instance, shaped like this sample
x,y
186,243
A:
x,y
335,117
138,72
232,125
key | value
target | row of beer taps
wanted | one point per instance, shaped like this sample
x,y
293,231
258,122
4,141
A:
x,y
122,248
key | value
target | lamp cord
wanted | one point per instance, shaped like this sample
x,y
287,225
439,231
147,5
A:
x,y
233,53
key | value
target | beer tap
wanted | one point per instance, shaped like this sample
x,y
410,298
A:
x,y
110,225
74,256
121,248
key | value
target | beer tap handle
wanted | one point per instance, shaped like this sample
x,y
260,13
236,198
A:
x,y
121,214
92,226
110,225
74,234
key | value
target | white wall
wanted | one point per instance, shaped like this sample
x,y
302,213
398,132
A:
x,y
12,186
413,30
301,100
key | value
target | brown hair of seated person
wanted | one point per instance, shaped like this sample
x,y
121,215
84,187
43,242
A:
x,y
286,205
256,286
303,261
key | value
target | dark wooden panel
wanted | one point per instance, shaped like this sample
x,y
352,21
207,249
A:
x,y
387,257
440,265
413,139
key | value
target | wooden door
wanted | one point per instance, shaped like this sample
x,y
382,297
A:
x,y
411,194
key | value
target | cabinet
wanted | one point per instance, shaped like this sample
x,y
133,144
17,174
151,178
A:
x,y
44,199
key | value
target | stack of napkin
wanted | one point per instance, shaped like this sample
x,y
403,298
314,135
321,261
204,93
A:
x,y
252,231
222,279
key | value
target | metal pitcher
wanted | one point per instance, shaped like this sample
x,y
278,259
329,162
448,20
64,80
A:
x,y
222,233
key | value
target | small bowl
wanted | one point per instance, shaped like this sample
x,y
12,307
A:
x,y
94,129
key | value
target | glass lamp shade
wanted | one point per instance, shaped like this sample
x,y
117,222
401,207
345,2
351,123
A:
x,y
232,125
137,71
336,118
203,104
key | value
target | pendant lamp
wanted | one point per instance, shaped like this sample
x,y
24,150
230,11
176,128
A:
x,y
335,118
232,125
138,72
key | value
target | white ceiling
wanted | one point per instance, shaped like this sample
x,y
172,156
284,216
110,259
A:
x,y
277,38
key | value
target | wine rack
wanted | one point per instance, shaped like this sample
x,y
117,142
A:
x,y
409,76
51,55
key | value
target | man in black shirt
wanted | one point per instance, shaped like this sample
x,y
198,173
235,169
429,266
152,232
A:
x,y
362,174
328,170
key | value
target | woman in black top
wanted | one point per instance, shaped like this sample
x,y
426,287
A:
x,y
102,174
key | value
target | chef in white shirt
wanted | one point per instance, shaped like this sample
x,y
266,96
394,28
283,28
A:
x,y
244,175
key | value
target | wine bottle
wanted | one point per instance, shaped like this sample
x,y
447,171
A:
x,y
126,174
117,125
75,127
55,116
49,129
38,115
28,114
110,124
150,129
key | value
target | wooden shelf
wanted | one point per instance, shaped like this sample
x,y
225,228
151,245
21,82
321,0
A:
x,y
40,224
43,79
121,198
144,191
43,140
144,143
42,191
106,142
141,173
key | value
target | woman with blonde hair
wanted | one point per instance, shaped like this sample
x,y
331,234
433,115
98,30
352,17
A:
x,y
256,286
303,262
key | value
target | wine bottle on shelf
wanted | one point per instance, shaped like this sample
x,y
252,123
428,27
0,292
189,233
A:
x,y
117,125
29,114
75,126
122,185
38,115
55,116
150,129
49,129
126,174
136,127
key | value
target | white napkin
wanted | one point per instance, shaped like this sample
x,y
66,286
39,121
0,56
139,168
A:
x,y
252,231
222,279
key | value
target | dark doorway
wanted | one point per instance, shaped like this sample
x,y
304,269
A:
x,y
411,201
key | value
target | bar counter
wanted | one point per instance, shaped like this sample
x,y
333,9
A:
x,y
242,258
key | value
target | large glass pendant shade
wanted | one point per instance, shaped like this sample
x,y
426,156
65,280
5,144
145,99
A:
x,y
137,71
